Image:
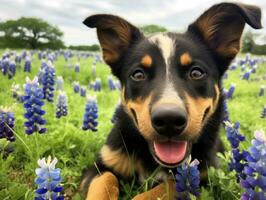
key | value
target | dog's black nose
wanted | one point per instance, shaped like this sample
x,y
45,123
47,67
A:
x,y
169,120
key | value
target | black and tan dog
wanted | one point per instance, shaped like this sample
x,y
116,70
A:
x,y
171,97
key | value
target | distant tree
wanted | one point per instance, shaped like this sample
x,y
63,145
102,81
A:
x,y
248,42
148,29
30,32
94,47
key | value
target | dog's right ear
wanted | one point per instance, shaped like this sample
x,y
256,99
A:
x,y
115,35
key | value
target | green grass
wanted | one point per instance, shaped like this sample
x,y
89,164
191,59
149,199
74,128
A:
x,y
76,149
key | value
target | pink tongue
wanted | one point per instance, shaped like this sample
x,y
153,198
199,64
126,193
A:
x,y
170,152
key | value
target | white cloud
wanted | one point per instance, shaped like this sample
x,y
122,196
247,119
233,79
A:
x,y
69,14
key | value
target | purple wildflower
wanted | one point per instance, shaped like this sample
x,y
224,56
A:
x,y
61,106
27,65
188,180
91,114
33,102
7,122
76,86
48,180
48,82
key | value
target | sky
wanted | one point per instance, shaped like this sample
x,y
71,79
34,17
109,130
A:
x,y
68,15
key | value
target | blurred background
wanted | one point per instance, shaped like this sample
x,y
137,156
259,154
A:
x,y
65,17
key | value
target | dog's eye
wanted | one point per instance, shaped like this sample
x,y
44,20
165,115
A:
x,y
138,75
196,73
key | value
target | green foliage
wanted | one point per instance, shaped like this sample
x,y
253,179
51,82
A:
x,y
76,149
94,47
148,29
249,44
31,33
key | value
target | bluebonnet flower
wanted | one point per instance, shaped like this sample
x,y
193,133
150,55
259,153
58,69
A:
x,y
111,83
61,106
7,122
255,181
83,91
233,66
27,65
48,180
76,86
6,151
226,112
16,92
4,66
262,90
246,75
48,82
97,84
238,160
77,67
60,82
225,76
254,69
18,59
263,114
91,114
11,69
231,91
187,179
33,102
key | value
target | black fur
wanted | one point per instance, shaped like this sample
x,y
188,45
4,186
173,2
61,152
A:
x,y
125,135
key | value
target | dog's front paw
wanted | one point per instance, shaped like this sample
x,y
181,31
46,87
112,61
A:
x,y
104,187
164,191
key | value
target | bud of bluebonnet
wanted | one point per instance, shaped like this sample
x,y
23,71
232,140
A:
x,y
33,102
263,114
231,91
4,66
111,83
77,67
16,92
27,65
48,82
76,86
91,114
83,91
98,85
7,122
12,69
60,82
61,106
246,75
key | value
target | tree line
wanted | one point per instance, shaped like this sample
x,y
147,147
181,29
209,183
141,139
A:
x,y
35,33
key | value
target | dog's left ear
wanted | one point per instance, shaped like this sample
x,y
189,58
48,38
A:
x,y
222,25
115,36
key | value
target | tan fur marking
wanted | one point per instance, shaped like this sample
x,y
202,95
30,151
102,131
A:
x,y
104,186
141,108
163,191
121,163
185,59
217,90
146,61
196,108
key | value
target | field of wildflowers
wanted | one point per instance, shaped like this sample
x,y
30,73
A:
x,y
56,109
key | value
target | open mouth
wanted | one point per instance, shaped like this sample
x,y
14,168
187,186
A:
x,y
170,153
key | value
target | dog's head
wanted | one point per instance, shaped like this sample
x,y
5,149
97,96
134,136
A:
x,y
170,81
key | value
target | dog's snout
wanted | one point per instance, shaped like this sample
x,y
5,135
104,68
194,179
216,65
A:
x,y
169,120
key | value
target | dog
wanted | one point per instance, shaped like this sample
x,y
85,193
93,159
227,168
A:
x,y
171,98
